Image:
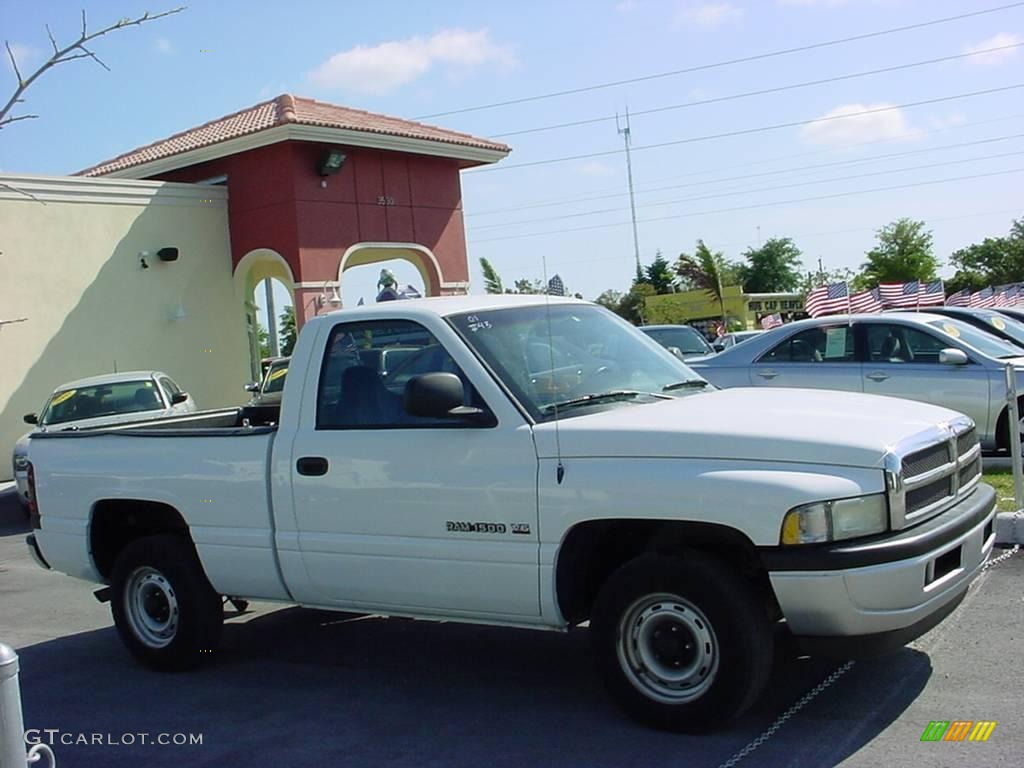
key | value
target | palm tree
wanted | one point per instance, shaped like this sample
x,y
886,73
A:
x,y
492,280
705,269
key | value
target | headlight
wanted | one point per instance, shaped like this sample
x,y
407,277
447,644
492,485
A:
x,y
20,462
834,520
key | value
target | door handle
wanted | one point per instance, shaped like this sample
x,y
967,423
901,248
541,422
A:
x,y
767,374
311,465
877,376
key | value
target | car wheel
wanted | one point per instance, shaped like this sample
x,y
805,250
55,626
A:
x,y
165,610
682,641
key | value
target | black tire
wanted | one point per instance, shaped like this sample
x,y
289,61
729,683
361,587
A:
x,y
696,656
165,610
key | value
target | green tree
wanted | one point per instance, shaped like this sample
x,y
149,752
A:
x,y
994,261
903,253
706,270
492,280
631,306
287,333
263,338
772,268
527,286
659,274
610,299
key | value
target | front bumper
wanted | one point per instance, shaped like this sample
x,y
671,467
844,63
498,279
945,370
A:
x,y
869,597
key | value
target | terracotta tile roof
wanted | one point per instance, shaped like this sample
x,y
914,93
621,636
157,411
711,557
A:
x,y
282,110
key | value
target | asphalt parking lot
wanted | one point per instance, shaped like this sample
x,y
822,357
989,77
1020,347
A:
x,y
301,687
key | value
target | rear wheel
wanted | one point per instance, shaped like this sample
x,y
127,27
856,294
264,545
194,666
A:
x,y
683,642
165,610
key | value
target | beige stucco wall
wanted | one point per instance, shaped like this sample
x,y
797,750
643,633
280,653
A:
x,y
69,262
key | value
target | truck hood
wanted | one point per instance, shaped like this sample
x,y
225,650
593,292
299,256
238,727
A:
x,y
797,425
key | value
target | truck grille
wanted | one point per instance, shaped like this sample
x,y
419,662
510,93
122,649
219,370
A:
x,y
925,461
935,475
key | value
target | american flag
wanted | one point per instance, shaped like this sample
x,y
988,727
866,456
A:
x,y
900,294
1006,296
867,301
827,299
771,321
556,287
932,294
959,299
983,298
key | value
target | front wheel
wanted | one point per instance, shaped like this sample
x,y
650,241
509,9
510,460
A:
x,y
165,610
682,641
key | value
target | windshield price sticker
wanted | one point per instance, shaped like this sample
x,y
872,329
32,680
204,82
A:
x,y
63,397
952,330
999,323
476,324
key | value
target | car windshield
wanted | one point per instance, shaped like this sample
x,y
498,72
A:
x,y
275,377
101,400
686,339
573,356
984,342
1008,325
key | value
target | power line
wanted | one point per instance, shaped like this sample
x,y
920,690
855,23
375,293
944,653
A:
x,y
761,92
748,131
806,235
728,62
798,169
776,203
755,190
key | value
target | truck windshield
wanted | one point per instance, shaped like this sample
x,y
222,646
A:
x,y
101,400
575,354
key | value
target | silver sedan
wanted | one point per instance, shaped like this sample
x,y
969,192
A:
x,y
918,356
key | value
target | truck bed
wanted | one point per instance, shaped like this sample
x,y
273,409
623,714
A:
x,y
221,422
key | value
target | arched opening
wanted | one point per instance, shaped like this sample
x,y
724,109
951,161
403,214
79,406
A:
x,y
266,286
410,263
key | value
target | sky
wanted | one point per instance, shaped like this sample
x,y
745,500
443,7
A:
x,y
957,163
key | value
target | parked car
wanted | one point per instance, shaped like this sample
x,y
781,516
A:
x,y
1017,313
492,490
996,323
732,339
268,391
689,341
100,400
914,355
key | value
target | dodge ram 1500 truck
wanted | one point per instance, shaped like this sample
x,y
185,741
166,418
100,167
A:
x,y
534,463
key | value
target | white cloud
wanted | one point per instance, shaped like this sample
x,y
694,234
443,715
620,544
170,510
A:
x,y
995,57
595,168
386,66
24,54
838,131
163,45
708,15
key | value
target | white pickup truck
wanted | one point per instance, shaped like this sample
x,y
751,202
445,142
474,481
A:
x,y
536,463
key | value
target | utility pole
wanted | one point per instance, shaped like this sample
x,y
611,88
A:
x,y
271,318
821,270
625,134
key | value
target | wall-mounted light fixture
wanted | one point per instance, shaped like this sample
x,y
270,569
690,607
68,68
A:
x,y
331,162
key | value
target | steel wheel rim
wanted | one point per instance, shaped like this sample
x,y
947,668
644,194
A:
x,y
152,607
667,648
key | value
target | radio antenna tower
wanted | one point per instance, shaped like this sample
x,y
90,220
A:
x,y
625,134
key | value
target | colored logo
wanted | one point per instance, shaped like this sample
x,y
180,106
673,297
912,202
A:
x,y
958,730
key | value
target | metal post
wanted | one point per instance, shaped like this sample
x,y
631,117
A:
x,y
12,727
271,318
1013,420
627,137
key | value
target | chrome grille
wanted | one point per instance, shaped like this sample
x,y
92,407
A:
x,y
925,461
969,472
929,494
966,441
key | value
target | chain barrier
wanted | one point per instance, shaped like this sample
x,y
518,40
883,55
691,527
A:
x,y
781,719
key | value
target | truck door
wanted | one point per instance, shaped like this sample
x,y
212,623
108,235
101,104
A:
x,y
407,513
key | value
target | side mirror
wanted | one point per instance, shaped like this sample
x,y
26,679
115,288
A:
x,y
252,386
676,351
439,396
953,356
718,347
30,418
179,397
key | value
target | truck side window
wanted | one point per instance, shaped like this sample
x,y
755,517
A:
x,y
365,369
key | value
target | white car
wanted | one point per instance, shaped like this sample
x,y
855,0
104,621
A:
x,y
111,398
609,485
